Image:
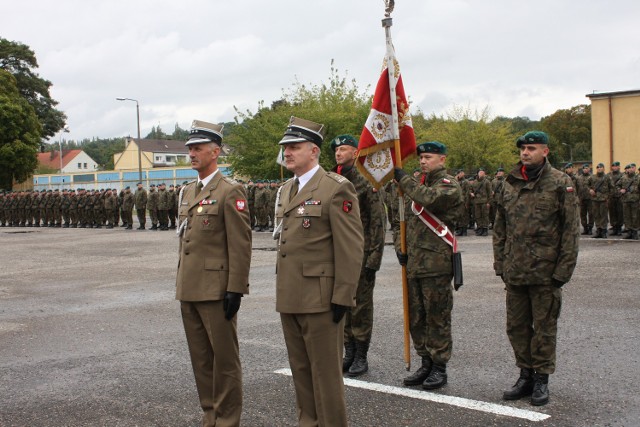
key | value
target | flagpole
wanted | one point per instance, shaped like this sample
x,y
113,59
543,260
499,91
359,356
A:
x,y
391,69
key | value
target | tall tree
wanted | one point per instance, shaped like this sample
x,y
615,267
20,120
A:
x,y
569,133
19,60
339,104
19,134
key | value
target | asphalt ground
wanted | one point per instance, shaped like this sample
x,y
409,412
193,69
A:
x,y
90,335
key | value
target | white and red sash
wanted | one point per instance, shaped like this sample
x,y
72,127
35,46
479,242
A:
x,y
438,227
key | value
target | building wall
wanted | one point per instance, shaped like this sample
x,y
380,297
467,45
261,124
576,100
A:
x,y
128,159
625,112
80,163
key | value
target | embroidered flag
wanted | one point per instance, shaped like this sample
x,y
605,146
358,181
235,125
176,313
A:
x,y
240,204
376,154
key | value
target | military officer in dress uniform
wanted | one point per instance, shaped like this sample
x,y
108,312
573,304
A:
x,y
213,274
535,248
320,252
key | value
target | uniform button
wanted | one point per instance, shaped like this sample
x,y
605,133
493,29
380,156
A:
x,y
186,253
284,255
286,215
286,228
284,241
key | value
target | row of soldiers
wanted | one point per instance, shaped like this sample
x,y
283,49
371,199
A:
x,y
90,208
261,197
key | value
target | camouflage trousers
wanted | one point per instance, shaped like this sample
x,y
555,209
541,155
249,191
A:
x,y
532,325
359,321
262,217
600,213
142,216
430,305
482,214
586,213
631,216
615,212
153,215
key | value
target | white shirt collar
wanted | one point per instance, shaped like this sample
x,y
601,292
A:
x,y
303,179
207,179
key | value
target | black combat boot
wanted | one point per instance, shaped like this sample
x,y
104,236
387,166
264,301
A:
x,y
522,387
421,374
437,378
634,235
478,231
485,232
585,230
349,354
464,231
598,234
540,394
360,364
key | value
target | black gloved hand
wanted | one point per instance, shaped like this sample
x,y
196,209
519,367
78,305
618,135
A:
x,y
369,274
398,174
338,312
502,278
402,258
557,283
231,304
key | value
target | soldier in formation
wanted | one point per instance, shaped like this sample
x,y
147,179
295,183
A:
x,y
140,201
600,189
481,198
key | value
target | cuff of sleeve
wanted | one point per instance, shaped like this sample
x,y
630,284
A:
x,y
238,284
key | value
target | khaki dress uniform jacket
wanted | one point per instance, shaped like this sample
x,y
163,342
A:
x,y
320,252
215,257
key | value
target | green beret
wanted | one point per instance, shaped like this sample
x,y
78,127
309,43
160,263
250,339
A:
x,y
633,165
600,165
533,137
343,140
417,170
615,164
431,147
482,169
568,165
627,167
500,169
586,165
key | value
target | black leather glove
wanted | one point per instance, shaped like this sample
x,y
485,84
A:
x,y
402,258
338,312
557,283
398,174
369,274
231,304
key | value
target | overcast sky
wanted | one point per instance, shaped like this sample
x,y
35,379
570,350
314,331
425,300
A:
x,y
196,59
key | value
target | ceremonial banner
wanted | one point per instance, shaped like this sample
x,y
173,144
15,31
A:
x,y
376,155
280,158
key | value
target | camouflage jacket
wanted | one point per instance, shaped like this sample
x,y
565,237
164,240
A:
x,y
127,202
614,177
429,255
481,189
582,183
536,232
164,200
601,184
631,185
153,200
574,180
372,216
141,199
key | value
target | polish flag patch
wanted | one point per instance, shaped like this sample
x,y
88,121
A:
x,y
241,205
569,189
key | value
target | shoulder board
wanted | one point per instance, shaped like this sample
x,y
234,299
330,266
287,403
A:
x,y
336,177
229,180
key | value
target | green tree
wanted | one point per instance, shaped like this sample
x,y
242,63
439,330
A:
x,y
569,132
339,104
472,139
19,134
19,60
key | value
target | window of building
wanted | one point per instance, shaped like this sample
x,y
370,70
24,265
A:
x,y
85,165
158,158
79,165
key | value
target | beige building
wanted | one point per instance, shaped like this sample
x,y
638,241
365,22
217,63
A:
x,y
615,127
154,153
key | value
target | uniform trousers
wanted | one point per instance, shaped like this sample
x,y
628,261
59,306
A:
x,y
615,212
586,213
631,215
430,306
142,216
532,325
359,321
215,358
482,214
314,345
600,213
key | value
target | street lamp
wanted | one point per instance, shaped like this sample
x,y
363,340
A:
x,y
138,144
570,151
64,130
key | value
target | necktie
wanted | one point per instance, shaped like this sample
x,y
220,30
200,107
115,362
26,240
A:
x,y
294,189
199,187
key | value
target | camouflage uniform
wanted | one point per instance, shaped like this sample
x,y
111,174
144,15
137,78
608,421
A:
x,y
261,206
3,220
586,209
630,183
64,208
110,208
251,197
481,197
88,209
359,321
152,207
127,208
429,265
98,210
463,223
496,187
601,189
57,208
163,208
173,207
615,203
73,209
535,247
141,206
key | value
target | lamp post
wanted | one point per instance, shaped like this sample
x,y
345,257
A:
x,y
138,144
570,151
64,130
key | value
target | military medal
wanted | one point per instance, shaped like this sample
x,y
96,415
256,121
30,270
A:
x,y
205,222
199,209
306,222
301,210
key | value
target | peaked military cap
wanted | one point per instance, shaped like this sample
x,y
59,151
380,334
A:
x,y
204,132
533,137
301,130
343,140
431,147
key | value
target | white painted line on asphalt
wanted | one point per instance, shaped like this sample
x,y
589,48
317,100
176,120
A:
x,y
460,402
